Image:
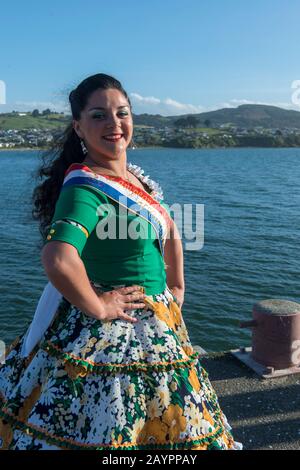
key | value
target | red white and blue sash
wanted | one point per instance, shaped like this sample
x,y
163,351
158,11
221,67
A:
x,y
126,194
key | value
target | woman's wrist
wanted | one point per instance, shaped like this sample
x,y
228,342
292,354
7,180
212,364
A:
x,y
177,288
100,308
178,293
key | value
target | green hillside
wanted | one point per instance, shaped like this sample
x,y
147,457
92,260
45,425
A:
x,y
49,121
250,115
246,116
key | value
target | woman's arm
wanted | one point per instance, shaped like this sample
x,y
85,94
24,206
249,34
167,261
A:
x,y
173,256
66,271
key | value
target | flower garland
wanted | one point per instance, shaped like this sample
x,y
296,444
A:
x,y
157,192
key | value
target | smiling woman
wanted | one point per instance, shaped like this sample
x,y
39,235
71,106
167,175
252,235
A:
x,y
107,362
111,123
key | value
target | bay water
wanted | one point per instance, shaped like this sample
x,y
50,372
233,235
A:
x,y
251,202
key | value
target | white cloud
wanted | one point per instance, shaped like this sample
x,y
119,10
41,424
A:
x,y
243,101
170,107
188,108
166,107
145,99
292,106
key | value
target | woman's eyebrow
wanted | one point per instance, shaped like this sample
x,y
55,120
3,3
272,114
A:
x,y
99,107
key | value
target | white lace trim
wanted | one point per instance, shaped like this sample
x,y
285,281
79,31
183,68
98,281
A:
x,y
157,192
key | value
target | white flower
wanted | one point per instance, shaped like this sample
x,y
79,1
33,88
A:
x,y
164,394
154,408
75,406
48,392
131,390
63,334
157,192
194,418
159,348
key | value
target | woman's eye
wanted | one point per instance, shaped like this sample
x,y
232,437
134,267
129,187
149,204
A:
x,y
101,116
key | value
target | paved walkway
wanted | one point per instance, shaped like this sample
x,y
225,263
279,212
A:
x,y
264,413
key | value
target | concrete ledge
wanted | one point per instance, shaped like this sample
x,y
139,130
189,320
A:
x,y
264,414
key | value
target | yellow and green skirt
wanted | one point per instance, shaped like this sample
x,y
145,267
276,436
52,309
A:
x,y
92,385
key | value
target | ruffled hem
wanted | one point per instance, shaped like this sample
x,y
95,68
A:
x,y
202,443
61,395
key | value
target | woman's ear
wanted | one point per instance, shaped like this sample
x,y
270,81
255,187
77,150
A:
x,y
76,127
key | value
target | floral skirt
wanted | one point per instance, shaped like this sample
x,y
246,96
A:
x,y
93,385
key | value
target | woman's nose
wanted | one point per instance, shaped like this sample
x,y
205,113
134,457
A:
x,y
113,120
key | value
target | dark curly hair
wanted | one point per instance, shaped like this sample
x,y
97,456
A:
x,y
65,150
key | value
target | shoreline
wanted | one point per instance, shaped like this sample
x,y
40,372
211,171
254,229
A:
x,y
38,149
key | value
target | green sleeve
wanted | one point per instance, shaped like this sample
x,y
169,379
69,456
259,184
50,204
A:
x,y
75,205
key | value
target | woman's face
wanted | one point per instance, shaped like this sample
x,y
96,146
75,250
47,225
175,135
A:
x,y
107,112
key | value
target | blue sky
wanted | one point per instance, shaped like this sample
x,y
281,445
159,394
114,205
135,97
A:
x,y
172,56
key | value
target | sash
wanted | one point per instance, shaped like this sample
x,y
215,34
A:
x,y
126,194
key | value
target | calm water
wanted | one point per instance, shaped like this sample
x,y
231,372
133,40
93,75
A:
x,y
251,203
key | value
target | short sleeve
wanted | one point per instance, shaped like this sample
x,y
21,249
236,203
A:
x,y
76,215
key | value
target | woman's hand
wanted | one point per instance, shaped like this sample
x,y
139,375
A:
x,y
179,294
116,301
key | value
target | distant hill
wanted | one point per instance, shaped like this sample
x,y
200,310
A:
x,y
253,115
155,120
245,116
20,121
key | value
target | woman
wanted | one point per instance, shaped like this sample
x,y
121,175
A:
x,y
107,362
